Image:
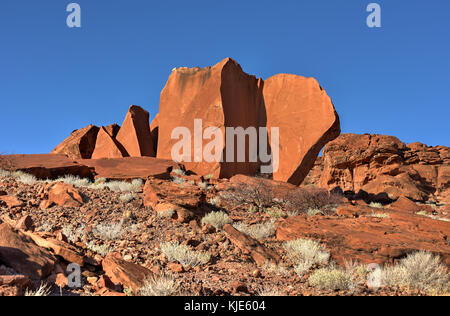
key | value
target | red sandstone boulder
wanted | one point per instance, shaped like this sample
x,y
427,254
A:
x,y
80,144
21,254
134,135
127,274
107,147
221,96
306,119
63,194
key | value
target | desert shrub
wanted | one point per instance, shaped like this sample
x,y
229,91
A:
x,y
179,172
4,174
43,290
313,212
166,213
260,195
258,231
305,199
123,186
375,205
214,200
108,231
184,255
164,285
275,212
216,219
332,279
274,268
127,197
74,180
102,250
306,250
178,180
269,291
418,271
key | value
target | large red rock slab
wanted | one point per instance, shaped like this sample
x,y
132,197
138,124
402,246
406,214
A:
x,y
80,144
251,246
21,254
127,274
306,119
368,239
107,147
221,96
132,168
134,135
47,166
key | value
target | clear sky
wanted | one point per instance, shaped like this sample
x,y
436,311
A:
x,y
393,80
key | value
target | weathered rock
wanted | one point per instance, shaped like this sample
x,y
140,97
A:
x,y
107,147
134,135
13,285
12,201
23,255
128,274
132,168
80,144
248,245
306,119
25,223
368,239
383,164
64,194
60,248
221,96
47,166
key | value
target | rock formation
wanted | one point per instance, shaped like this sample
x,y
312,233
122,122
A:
x,y
307,120
380,164
224,96
80,144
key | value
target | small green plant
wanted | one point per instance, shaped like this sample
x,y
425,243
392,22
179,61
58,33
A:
x,y
184,255
216,219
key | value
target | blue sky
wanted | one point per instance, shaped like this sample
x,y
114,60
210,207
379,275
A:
x,y
394,80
